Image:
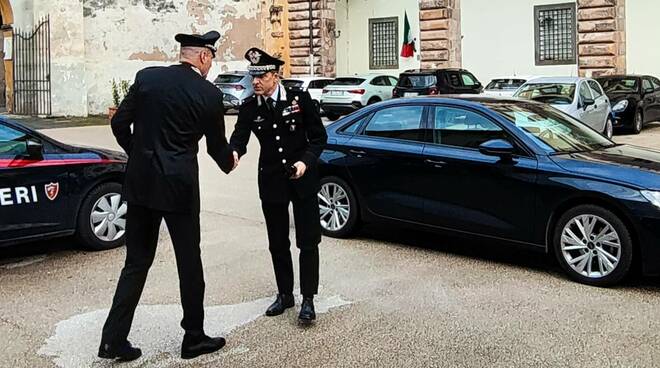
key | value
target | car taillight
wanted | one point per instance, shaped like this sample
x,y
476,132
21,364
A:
x,y
433,90
359,91
238,87
324,91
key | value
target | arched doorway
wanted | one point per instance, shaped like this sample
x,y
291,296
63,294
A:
x,y
6,67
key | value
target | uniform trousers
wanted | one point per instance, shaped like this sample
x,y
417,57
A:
x,y
142,228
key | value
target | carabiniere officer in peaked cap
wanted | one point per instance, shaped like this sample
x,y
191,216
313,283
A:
x,y
292,137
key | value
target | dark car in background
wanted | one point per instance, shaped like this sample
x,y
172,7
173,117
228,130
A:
x,y
513,170
49,189
635,100
421,82
236,87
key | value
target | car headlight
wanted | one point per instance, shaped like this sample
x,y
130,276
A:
x,y
620,106
653,197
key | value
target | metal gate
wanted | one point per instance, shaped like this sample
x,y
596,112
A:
x,y
32,70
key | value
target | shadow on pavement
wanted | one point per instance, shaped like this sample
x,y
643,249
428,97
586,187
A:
x,y
490,250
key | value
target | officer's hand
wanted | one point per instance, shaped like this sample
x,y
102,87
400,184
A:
x,y
300,170
236,159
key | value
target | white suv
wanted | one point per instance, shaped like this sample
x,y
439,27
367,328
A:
x,y
313,85
348,94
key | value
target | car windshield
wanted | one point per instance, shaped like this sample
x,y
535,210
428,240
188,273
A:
x,y
551,128
228,78
347,82
619,85
551,93
416,81
505,84
292,83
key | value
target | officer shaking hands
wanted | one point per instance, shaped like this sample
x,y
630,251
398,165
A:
x,y
292,137
170,110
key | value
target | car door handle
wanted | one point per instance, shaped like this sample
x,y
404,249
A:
x,y
435,163
357,152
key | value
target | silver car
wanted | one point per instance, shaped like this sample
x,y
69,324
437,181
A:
x,y
582,98
236,87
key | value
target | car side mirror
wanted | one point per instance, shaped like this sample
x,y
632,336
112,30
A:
x,y
497,147
586,102
35,149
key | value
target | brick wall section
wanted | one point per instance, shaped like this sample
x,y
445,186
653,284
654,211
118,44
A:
x,y
601,37
440,32
323,22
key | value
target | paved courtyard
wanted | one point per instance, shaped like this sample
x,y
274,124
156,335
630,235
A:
x,y
390,297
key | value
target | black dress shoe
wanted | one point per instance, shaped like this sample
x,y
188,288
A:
x,y
307,314
282,302
122,352
200,344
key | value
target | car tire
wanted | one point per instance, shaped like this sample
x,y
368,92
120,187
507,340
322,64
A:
x,y
608,131
103,205
341,214
373,100
638,122
332,116
584,255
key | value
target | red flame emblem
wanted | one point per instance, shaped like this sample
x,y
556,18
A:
x,y
52,190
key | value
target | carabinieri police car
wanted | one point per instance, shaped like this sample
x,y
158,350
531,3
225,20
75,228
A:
x,y
49,189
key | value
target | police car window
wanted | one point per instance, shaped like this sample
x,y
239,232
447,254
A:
x,y
401,122
462,128
12,141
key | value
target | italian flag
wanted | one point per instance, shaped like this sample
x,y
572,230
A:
x,y
408,49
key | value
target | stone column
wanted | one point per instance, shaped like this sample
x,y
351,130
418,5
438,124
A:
x,y
440,26
601,37
275,30
323,41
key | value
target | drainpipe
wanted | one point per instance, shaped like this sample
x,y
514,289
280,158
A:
x,y
311,41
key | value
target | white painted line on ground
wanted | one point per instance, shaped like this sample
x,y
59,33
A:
x,y
156,331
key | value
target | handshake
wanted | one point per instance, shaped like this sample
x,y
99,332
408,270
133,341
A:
x,y
295,171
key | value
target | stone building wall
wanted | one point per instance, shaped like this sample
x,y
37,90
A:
x,y
601,37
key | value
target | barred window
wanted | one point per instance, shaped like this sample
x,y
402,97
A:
x,y
383,42
555,34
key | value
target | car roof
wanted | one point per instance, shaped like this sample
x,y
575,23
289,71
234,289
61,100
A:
x,y
556,80
366,76
308,79
525,77
14,124
234,72
432,71
622,76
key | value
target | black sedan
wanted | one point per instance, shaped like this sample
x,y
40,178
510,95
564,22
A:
x,y
49,189
635,100
512,170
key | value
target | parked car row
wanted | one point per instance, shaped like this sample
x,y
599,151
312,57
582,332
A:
x,y
603,103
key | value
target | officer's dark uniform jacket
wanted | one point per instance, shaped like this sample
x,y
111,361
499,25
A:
x,y
171,108
291,131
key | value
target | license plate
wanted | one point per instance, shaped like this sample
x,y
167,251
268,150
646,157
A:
x,y
336,93
410,94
